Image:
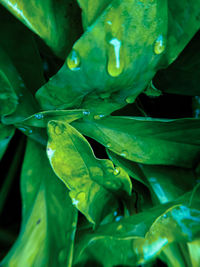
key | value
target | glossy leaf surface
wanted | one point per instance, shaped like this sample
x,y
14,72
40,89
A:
x,y
49,19
147,140
139,238
94,183
49,218
121,58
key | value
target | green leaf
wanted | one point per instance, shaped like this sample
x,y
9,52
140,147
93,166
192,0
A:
x,y
166,183
140,238
147,140
91,9
54,21
184,22
123,59
94,183
22,52
18,101
182,76
6,134
41,119
49,219
8,98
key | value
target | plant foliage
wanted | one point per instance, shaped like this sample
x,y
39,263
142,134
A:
x,y
109,175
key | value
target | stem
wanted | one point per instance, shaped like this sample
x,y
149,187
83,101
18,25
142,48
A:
x,y
11,174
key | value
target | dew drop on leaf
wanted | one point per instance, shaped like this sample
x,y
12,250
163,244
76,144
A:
x,y
131,99
86,112
124,154
116,171
115,63
119,227
73,60
39,116
26,130
108,145
98,117
159,46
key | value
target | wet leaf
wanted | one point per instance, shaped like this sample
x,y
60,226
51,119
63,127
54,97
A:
x,y
147,140
120,50
56,22
41,119
139,238
94,183
49,218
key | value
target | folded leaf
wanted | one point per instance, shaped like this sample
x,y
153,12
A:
x,y
51,20
49,218
94,183
147,140
140,238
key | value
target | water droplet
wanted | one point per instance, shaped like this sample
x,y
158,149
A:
x,y
98,117
86,112
124,154
119,227
39,116
75,201
73,60
115,213
115,63
165,216
108,145
131,99
26,130
109,22
116,171
50,152
118,218
159,46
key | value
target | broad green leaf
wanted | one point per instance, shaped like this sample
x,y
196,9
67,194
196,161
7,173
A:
x,y
49,218
140,238
166,183
147,140
122,52
6,133
94,183
19,43
56,22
